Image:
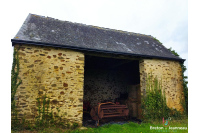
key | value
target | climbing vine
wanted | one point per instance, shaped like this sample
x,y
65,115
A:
x,y
15,81
154,102
45,117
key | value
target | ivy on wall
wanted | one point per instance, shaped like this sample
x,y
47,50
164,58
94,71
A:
x,y
154,106
45,117
15,80
154,102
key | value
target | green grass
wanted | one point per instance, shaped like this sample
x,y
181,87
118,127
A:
x,y
135,128
130,127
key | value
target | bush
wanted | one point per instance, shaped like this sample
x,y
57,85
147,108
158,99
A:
x,y
154,102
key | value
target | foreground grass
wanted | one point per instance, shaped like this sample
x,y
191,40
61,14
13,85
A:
x,y
130,127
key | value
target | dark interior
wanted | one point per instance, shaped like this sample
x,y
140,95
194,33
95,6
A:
x,y
107,80
131,66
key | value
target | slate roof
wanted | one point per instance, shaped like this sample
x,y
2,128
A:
x,y
40,30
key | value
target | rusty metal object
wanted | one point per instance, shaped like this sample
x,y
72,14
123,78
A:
x,y
108,110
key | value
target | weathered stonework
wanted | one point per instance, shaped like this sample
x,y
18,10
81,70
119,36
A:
x,y
103,85
56,72
59,73
170,73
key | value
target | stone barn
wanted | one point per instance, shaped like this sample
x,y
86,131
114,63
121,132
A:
x,y
73,63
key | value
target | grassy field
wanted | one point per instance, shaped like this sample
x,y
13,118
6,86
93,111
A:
x,y
130,127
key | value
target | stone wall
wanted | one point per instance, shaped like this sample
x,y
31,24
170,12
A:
x,y
170,73
56,72
101,84
59,73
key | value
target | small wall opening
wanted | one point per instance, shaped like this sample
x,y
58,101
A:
x,y
110,80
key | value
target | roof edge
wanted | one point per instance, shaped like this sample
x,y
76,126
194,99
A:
x,y
23,27
16,41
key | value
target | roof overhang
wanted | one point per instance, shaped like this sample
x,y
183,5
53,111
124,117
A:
x,y
83,49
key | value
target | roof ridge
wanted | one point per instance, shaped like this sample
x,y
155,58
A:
x,y
93,26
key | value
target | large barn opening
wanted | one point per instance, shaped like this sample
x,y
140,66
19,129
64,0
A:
x,y
110,80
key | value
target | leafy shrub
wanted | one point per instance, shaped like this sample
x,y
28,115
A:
x,y
154,102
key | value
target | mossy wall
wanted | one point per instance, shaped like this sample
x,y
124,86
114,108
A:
x,y
170,73
56,72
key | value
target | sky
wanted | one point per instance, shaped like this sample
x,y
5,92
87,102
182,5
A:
x,y
167,20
